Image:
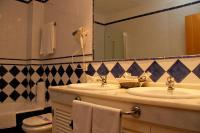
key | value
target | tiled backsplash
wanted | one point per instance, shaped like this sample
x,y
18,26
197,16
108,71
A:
x,y
13,83
18,82
186,70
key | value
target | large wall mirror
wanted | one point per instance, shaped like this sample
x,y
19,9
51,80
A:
x,y
130,29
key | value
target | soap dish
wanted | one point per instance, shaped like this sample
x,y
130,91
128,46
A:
x,y
128,83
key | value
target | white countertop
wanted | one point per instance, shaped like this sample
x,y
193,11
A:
x,y
122,96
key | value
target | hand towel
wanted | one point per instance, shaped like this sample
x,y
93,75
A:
x,y
106,120
82,117
48,43
7,116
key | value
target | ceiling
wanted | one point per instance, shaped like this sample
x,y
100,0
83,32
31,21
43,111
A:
x,y
113,6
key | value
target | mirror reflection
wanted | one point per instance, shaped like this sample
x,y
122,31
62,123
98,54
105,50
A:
x,y
126,29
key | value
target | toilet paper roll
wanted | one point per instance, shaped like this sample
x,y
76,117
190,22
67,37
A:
x,y
41,90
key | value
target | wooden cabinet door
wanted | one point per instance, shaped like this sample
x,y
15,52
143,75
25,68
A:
x,y
192,25
161,129
61,118
134,126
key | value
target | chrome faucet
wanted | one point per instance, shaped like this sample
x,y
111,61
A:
x,y
103,79
144,78
170,83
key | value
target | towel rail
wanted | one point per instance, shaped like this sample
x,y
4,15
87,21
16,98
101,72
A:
x,y
135,111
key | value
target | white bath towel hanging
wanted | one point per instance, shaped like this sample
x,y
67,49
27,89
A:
x,y
82,117
48,40
106,119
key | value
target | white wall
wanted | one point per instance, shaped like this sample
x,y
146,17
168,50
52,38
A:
x,y
69,16
21,25
14,26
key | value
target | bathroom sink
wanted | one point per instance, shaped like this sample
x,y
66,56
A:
x,y
94,86
162,92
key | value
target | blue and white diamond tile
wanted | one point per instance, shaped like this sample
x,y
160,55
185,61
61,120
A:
x,y
191,78
179,71
117,70
166,63
7,77
74,78
156,71
79,71
14,83
40,70
90,70
31,96
14,71
20,89
20,77
95,65
53,71
54,83
14,95
50,77
61,70
46,70
65,78
25,71
196,71
144,64
3,83
3,96
102,70
35,77
83,78
3,70
8,90
60,83
57,77
109,65
135,69
191,63
69,70
125,64
31,70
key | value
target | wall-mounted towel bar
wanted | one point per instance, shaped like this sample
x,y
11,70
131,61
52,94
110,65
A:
x,y
135,111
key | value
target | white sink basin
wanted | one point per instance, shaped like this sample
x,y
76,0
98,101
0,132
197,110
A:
x,y
161,92
94,86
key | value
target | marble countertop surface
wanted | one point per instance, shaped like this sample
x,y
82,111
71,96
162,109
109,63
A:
x,y
122,96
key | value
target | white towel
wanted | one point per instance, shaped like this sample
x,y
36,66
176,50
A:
x,y
48,42
7,116
106,120
82,117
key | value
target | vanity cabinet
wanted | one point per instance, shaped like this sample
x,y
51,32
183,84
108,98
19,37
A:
x,y
153,119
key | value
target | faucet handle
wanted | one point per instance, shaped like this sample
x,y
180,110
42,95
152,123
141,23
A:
x,y
170,79
142,78
170,83
103,76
